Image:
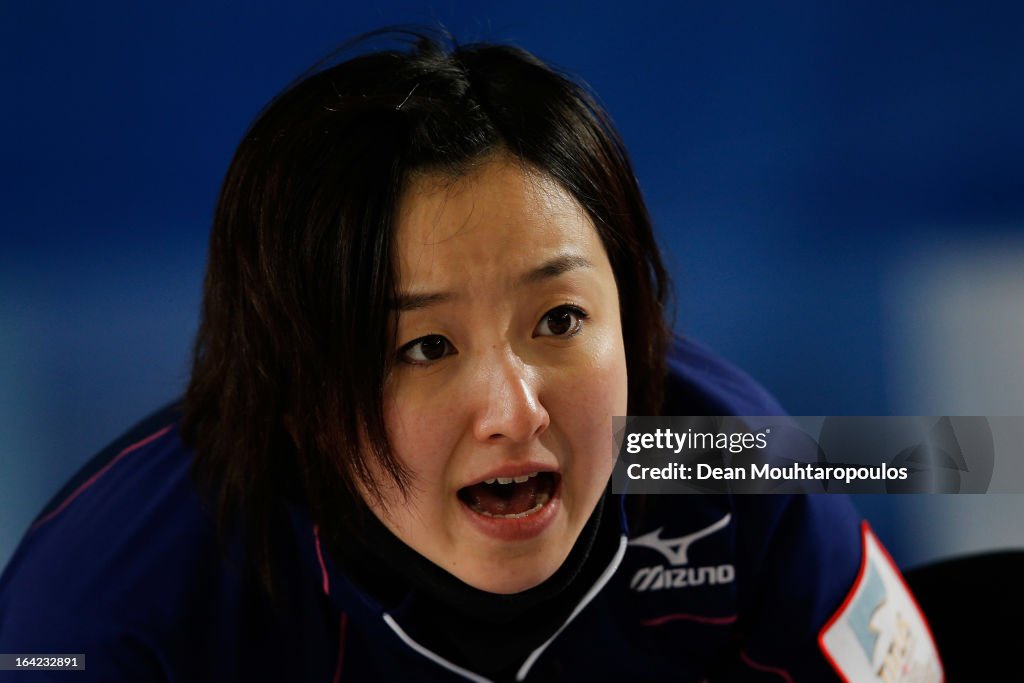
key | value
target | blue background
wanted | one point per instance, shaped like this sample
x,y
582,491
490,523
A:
x,y
833,184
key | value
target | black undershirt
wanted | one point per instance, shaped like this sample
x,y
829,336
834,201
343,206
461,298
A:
x,y
487,633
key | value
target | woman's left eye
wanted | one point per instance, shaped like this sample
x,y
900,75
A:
x,y
564,321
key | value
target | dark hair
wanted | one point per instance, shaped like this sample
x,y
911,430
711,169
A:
x,y
299,284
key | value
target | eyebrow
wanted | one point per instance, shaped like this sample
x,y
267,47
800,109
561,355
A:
x,y
550,269
412,302
555,267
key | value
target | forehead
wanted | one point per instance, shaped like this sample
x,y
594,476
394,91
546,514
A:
x,y
500,216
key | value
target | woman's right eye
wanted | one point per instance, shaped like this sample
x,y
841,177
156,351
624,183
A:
x,y
426,350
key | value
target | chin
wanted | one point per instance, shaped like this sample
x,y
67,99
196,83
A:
x,y
511,575
502,581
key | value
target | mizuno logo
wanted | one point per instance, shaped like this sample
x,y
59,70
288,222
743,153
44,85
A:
x,y
675,550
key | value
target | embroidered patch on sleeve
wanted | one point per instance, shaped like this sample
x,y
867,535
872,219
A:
x,y
879,633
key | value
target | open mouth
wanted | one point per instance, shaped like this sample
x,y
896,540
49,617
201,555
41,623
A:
x,y
511,497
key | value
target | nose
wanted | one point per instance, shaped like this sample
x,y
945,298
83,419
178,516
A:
x,y
510,407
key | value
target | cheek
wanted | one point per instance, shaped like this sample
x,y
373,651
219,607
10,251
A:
x,y
609,382
422,434
587,400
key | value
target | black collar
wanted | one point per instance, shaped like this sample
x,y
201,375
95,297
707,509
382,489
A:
x,y
487,633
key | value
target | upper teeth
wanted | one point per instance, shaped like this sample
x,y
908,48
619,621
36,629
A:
x,y
509,480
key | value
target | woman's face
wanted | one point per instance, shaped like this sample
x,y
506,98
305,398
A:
x,y
510,365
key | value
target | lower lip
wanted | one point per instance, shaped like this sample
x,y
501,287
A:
x,y
517,529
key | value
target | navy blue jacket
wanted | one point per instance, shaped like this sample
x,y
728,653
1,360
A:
x,y
124,566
